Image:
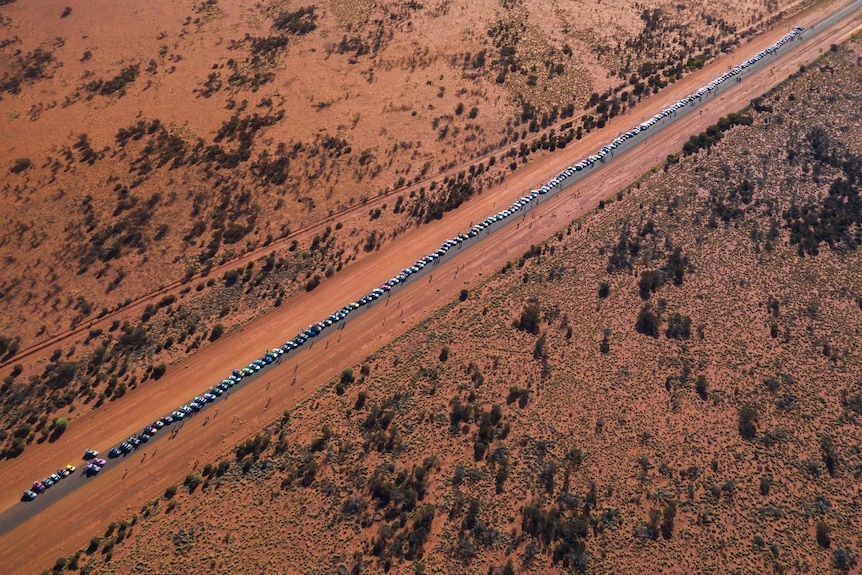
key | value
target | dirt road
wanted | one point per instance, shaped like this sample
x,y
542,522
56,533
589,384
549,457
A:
x,y
70,522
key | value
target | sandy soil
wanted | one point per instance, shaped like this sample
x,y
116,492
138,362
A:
x,y
100,500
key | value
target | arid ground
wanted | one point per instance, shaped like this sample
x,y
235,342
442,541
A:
x,y
670,384
690,465
175,171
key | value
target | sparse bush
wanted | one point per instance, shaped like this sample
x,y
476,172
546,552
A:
x,y
230,277
648,322
823,534
843,559
529,320
222,468
94,545
312,283
192,481
604,290
702,386
347,376
479,449
444,353
678,326
748,422
519,394
59,428
539,350
217,332
360,400
20,165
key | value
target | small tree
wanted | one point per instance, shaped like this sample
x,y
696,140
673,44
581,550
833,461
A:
x,y
217,332
444,353
678,326
58,428
748,422
170,492
604,290
529,321
464,295
648,322
159,371
605,346
192,481
479,449
20,165
702,386
360,400
94,544
823,534
347,376
843,559
539,350
668,515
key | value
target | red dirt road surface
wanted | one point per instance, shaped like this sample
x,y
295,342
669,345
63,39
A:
x,y
69,523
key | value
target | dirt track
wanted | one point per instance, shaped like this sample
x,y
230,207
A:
x,y
68,525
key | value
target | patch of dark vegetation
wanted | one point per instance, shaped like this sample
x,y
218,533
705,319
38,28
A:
x,y
836,220
116,85
561,531
454,192
712,135
299,22
33,66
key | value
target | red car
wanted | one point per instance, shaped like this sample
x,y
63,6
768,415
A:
x,y
38,487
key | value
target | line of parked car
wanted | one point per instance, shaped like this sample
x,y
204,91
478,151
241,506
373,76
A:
x,y
689,100
95,464
40,486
